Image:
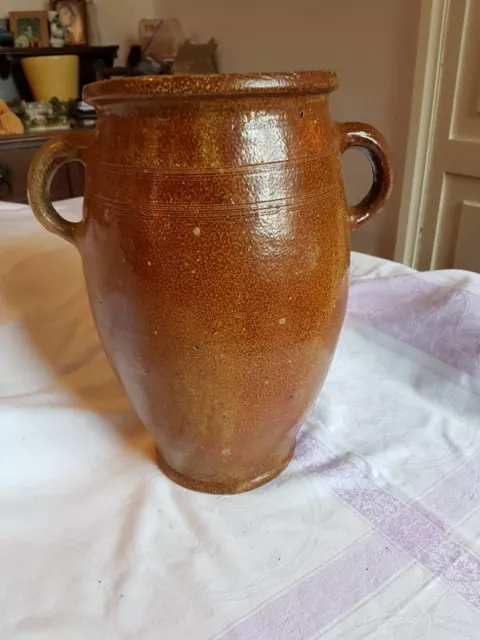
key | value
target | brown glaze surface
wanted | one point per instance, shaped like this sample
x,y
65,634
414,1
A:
x,y
215,246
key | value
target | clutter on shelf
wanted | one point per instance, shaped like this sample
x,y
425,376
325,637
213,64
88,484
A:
x,y
41,116
45,62
164,49
66,23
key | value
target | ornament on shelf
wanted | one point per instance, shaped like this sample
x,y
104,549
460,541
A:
x,y
58,33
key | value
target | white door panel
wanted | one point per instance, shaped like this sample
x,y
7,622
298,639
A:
x,y
467,255
448,230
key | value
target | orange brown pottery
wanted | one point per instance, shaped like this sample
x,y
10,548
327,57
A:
x,y
215,243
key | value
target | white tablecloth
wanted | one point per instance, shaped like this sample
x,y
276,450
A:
x,y
372,532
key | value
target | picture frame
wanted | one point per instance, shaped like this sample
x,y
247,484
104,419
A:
x,y
29,28
73,16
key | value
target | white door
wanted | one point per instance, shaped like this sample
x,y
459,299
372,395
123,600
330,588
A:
x,y
440,217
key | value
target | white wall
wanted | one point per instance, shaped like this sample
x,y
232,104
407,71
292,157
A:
x,y
20,5
118,21
370,43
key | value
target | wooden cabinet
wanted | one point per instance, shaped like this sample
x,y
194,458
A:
x,y
16,154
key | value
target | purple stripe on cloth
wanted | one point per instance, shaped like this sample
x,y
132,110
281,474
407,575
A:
x,y
456,495
412,530
443,323
403,532
326,594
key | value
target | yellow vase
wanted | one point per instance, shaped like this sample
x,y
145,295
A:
x,y
52,77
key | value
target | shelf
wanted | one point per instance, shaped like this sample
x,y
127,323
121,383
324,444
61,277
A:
x,y
18,140
74,49
30,136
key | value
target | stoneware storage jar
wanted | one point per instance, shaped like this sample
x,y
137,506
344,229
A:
x,y
215,245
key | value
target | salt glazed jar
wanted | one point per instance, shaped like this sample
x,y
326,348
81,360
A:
x,y
215,243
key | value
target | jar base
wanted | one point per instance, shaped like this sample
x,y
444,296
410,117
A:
x,y
211,487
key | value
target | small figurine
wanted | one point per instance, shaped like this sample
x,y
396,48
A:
x,y
58,33
9,122
27,39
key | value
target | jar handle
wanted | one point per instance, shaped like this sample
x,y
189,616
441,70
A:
x,y
365,138
65,147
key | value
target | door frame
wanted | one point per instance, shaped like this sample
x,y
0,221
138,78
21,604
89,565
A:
x,y
425,101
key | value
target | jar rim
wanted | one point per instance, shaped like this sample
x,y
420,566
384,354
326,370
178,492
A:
x,y
205,85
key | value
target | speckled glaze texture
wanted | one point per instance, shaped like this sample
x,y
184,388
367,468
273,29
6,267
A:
x,y
215,246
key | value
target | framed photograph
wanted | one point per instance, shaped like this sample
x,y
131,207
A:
x,y
73,17
29,28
